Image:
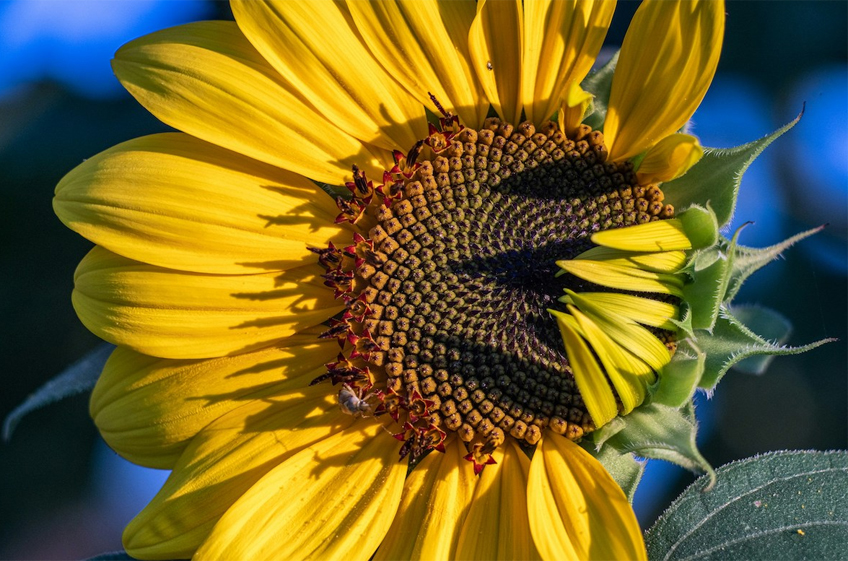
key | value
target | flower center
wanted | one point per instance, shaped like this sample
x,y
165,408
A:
x,y
446,326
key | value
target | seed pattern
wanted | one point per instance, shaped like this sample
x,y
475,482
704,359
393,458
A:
x,y
447,296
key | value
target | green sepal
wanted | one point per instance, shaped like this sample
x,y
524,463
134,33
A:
x,y
599,84
637,160
717,176
625,469
731,341
601,435
679,378
700,226
703,259
660,432
79,377
710,271
748,260
768,324
684,324
705,294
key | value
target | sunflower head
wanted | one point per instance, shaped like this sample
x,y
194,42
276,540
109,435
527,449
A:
x,y
474,241
410,230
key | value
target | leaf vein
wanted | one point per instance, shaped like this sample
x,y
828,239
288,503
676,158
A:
x,y
762,533
711,514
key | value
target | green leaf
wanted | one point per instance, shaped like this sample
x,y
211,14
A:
x,y
624,468
783,505
679,378
661,432
748,260
598,84
717,176
77,378
732,341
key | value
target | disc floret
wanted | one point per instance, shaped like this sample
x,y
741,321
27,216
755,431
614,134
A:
x,y
447,297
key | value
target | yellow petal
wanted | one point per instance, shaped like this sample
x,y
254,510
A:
x,y
423,44
173,314
590,379
178,202
207,80
623,278
627,333
670,158
573,107
577,511
495,43
436,497
630,378
662,235
660,262
668,59
496,527
333,500
642,310
321,57
561,41
147,408
223,462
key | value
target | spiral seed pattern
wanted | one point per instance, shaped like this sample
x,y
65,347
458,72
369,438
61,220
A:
x,y
451,288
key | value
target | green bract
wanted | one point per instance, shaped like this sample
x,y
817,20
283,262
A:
x,y
714,334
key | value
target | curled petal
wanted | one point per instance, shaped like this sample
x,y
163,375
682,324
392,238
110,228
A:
x,y
573,108
668,60
670,158
642,310
629,376
590,379
662,235
621,277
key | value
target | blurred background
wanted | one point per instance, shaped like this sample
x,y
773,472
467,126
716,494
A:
x,y
68,496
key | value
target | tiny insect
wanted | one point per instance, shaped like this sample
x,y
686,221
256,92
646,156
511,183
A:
x,y
490,66
354,403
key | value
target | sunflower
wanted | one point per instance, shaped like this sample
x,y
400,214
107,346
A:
x,y
397,264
